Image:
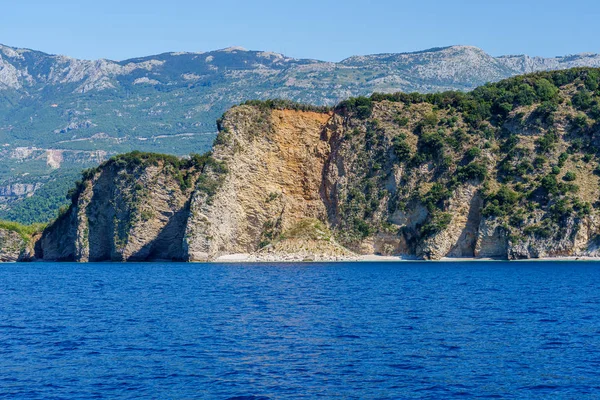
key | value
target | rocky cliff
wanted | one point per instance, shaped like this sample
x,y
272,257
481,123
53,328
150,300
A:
x,y
59,114
509,170
11,245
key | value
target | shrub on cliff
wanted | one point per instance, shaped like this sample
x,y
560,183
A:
x,y
472,171
25,231
361,107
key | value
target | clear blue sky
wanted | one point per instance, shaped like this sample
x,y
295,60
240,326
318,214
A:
x,y
325,29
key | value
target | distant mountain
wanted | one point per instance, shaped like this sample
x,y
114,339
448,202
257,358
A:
x,y
59,114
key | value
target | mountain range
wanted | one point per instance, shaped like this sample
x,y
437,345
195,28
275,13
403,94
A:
x,y
59,114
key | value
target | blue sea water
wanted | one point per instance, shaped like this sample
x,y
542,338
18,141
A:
x,y
294,331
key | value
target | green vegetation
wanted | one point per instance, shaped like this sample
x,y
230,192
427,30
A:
x,y
310,229
42,207
436,224
569,176
501,203
361,107
507,135
25,231
281,104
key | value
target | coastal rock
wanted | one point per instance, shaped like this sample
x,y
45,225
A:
x,y
11,245
405,176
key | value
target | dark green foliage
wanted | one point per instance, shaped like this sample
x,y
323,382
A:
x,y
283,104
473,171
582,208
361,107
569,176
431,145
545,90
473,153
43,206
562,159
547,142
550,184
363,228
436,224
582,100
540,230
401,121
544,113
539,162
580,121
560,210
435,197
401,148
592,79
500,203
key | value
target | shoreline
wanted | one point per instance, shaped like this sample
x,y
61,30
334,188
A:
x,y
251,258
247,258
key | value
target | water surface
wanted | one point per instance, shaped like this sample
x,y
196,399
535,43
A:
x,y
290,331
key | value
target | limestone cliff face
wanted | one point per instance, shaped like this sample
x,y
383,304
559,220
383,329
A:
x,y
123,212
275,160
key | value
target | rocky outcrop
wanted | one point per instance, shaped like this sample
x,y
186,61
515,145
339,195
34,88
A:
x,y
403,175
133,210
275,161
11,245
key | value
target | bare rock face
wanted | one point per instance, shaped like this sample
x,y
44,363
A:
x,y
275,161
123,213
11,245
460,237
492,240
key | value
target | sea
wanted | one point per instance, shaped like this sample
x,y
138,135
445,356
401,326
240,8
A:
x,y
393,330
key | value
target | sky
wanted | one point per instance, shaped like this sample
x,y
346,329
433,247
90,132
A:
x,y
325,30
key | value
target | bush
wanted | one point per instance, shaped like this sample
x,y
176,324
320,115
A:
x,y
431,145
547,142
401,148
473,153
569,176
500,203
437,194
401,121
545,89
580,121
550,184
472,171
362,107
540,231
539,162
562,159
438,223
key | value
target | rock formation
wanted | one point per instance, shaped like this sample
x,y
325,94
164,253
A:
x,y
509,171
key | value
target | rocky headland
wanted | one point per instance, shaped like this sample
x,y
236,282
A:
x,y
509,170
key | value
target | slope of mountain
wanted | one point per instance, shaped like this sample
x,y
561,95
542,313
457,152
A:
x,y
508,170
60,113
